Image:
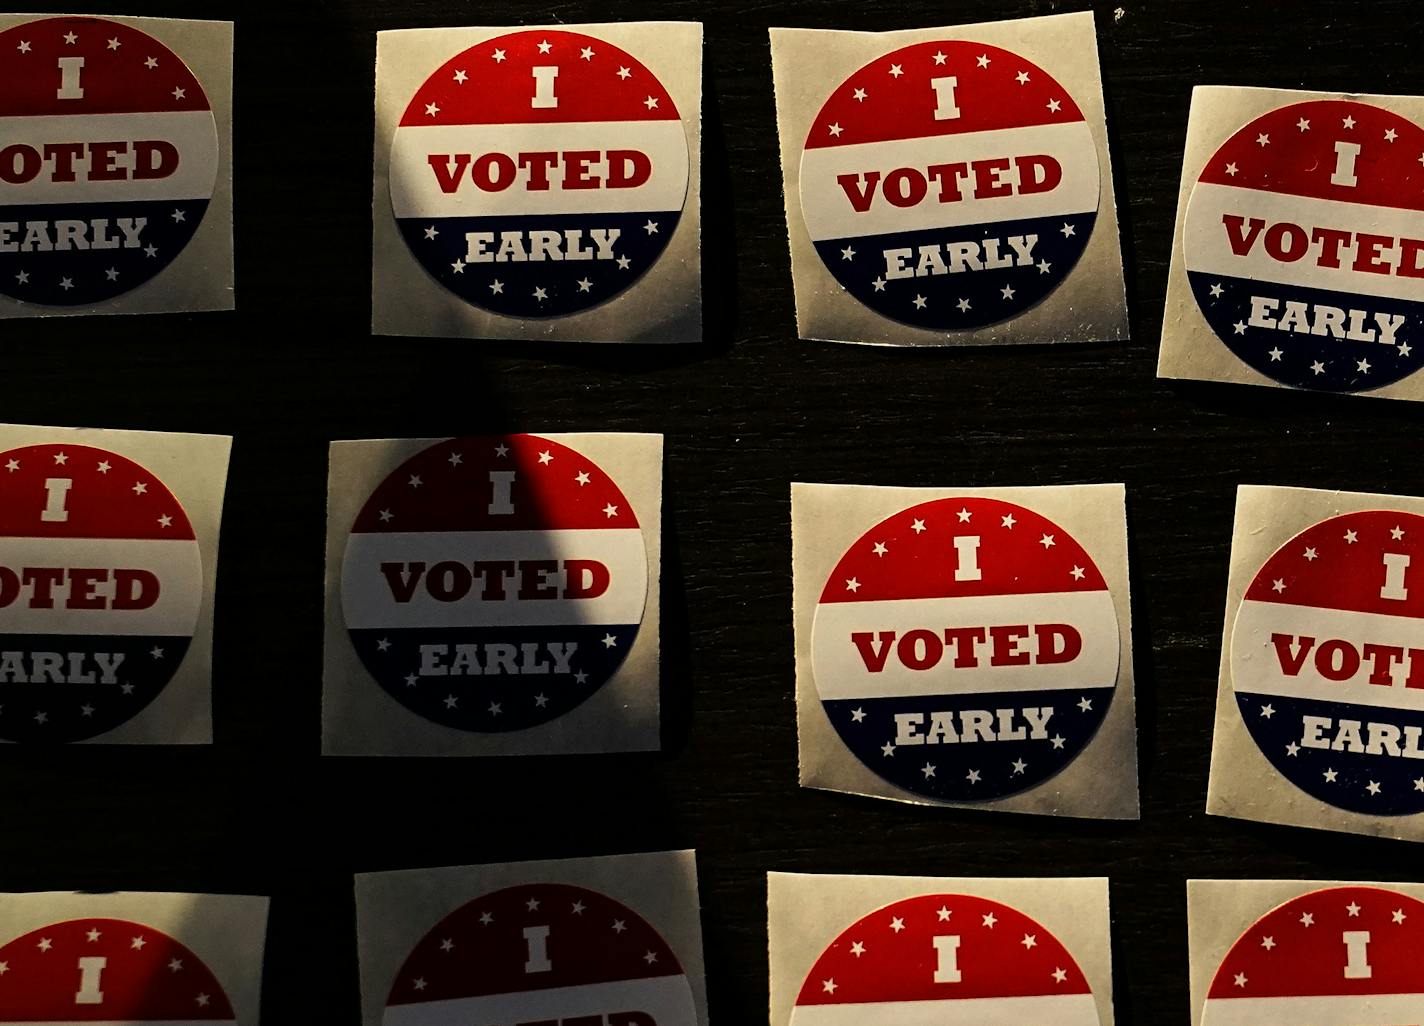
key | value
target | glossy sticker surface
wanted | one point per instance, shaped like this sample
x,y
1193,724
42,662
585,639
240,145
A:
x,y
542,953
100,587
1304,245
494,583
945,960
539,173
950,184
106,971
108,159
1327,661
1343,956
966,648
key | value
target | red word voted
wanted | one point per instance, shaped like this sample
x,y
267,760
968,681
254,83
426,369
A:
x,y
531,579
574,169
1339,660
984,179
95,161
40,587
1288,243
1007,645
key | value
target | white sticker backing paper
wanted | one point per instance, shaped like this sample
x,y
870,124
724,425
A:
x,y
967,647
130,958
615,941
926,951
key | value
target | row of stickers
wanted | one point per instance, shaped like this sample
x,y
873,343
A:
x,y
499,595
943,187
616,941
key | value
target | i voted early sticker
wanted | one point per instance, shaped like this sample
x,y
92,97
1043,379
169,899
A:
x,y
966,648
947,959
1327,661
1336,956
950,184
101,582
546,953
539,173
492,584
1303,243
108,159
102,970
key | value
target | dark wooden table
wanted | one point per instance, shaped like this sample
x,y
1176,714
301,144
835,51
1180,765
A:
x,y
744,414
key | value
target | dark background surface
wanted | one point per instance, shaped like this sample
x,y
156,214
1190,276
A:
x,y
745,413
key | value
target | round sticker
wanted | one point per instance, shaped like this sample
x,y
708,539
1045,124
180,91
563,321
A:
x,y
1339,955
106,971
1327,661
546,952
539,173
1301,246
108,158
493,584
949,959
966,648
101,582
950,185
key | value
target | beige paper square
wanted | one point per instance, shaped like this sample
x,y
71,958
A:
x,y
194,468
201,278
227,932
665,305
1101,782
806,913
395,910
1243,783
1090,305
1190,348
359,718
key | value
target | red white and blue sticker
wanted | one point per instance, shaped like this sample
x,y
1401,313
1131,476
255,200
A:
x,y
1304,245
545,953
950,185
1342,956
1327,661
100,586
946,960
106,971
539,173
108,157
493,584
966,649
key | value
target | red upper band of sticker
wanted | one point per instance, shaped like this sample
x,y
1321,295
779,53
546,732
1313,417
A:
x,y
993,89
120,499
890,955
1292,151
912,555
145,976
1340,563
123,71
1297,950
494,82
448,487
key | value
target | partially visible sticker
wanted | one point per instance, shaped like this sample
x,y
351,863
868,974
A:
x,y
1327,661
108,159
493,584
543,952
966,648
106,971
946,959
1341,956
539,173
1304,245
101,582
950,184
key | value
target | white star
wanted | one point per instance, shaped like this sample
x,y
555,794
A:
x,y
586,53
918,526
1078,573
1396,532
1240,327
178,215
12,465
546,457
419,984
624,263
1007,292
454,459
70,38
1047,541
23,277
1268,710
1068,230
497,286
1391,135
897,924
1348,122
879,284
151,63
619,926
1019,766
138,943
963,305
155,652
179,93
578,908
451,701
540,294
860,95
1054,106
857,949
829,986
165,520
625,73
114,43
112,274
150,250
24,46
1268,943
45,944
447,945
61,458
431,232
385,516
1240,979
415,481
944,913
383,645
609,641
66,283
990,919
501,450
928,771
1404,349
836,130
1372,787
545,46
880,549
580,677
1009,521
495,709
1354,909
486,918
458,266
86,710
848,253
887,750
1292,749
651,103
919,302
1399,916
1419,783
139,488
1275,355
460,76
1060,975
582,477
1278,585
857,715
896,70
41,718
1231,170
651,227
964,516
584,285
610,511
1029,941
984,61
1330,776
1303,124
498,56
1085,704
1363,366
650,957
1351,537
1021,78
1216,291
973,777
1263,139
1317,367
540,701
852,585
1044,267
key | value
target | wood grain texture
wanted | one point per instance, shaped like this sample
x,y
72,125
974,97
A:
x,y
745,413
